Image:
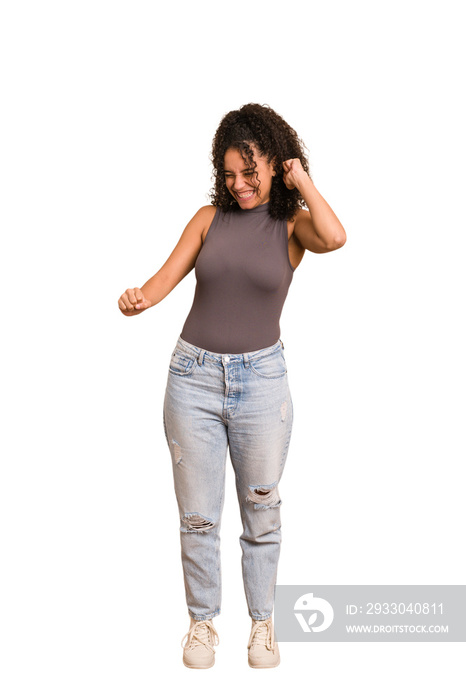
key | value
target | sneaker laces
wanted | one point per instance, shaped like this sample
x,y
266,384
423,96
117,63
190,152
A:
x,y
261,634
202,632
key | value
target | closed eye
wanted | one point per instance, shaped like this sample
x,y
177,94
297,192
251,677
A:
x,y
248,173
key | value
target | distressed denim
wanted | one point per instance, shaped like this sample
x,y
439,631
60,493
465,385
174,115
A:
x,y
215,402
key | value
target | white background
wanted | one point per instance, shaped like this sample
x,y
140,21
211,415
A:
x,y
108,115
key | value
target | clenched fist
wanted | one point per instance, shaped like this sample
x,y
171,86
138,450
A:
x,y
133,302
294,173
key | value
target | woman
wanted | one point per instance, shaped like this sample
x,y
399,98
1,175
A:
x,y
227,384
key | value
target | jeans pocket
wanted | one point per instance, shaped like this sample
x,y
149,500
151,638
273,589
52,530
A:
x,y
271,366
182,363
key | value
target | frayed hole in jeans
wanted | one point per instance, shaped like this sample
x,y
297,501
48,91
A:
x,y
264,496
197,523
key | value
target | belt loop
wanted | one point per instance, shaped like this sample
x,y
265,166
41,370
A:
x,y
200,357
281,341
246,359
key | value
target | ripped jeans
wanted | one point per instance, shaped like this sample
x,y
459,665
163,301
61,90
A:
x,y
214,402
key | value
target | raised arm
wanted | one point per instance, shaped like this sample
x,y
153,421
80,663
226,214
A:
x,y
180,262
318,230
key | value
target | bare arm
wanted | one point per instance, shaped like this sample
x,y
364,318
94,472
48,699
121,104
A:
x,y
307,235
318,230
180,262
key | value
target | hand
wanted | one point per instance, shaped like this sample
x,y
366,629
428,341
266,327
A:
x,y
294,173
133,302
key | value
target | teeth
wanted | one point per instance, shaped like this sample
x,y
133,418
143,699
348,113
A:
x,y
249,194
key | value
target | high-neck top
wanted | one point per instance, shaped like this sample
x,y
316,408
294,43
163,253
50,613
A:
x,y
243,273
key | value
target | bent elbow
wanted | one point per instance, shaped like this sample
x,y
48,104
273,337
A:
x,y
339,240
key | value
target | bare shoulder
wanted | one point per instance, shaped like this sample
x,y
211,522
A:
x,y
300,216
206,216
197,227
206,210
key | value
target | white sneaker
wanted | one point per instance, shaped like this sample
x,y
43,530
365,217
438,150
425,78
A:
x,y
263,649
198,650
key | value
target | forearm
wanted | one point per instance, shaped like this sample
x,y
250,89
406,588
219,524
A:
x,y
325,222
156,288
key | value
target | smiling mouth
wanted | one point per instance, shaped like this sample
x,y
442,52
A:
x,y
245,195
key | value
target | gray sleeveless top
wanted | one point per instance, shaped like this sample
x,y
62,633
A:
x,y
243,273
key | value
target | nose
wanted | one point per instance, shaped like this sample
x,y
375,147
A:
x,y
240,182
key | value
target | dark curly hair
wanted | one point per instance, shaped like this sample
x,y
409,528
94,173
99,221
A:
x,y
274,139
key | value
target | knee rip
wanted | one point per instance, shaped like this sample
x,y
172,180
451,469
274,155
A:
x,y
264,496
195,522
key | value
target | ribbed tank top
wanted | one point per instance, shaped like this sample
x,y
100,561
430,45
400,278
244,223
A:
x,y
243,272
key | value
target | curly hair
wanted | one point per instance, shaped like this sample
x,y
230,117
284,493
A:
x,y
274,139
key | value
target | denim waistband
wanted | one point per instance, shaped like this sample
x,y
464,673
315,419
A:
x,y
202,355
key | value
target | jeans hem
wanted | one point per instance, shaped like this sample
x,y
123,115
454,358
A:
x,y
208,616
261,617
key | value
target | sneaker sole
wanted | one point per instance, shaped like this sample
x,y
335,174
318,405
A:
x,y
192,666
264,665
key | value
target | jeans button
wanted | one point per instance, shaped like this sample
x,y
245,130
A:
x,y
227,359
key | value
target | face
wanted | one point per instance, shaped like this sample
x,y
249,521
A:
x,y
242,182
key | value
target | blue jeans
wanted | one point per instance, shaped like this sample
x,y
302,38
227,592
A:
x,y
214,401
